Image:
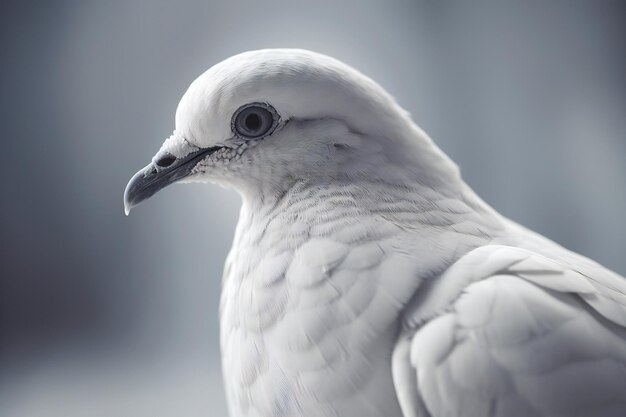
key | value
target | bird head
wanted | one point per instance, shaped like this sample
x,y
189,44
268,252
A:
x,y
263,120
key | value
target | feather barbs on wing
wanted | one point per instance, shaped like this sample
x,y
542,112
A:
x,y
509,332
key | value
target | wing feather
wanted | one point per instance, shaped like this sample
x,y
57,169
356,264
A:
x,y
510,332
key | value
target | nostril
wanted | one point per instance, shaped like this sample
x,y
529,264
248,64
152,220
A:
x,y
166,160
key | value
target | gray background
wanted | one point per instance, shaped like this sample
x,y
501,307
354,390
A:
x,y
104,315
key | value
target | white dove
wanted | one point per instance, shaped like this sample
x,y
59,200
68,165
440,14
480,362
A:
x,y
366,278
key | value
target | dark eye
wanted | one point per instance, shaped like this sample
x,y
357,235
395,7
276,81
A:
x,y
254,120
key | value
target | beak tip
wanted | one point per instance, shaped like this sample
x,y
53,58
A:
x,y
131,198
128,205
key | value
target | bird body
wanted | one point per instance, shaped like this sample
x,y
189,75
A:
x,y
366,278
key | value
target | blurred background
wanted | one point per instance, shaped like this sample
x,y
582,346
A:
x,y
107,315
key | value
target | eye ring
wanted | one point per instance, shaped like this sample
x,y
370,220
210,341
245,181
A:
x,y
254,120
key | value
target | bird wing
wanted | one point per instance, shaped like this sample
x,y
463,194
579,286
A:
x,y
524,335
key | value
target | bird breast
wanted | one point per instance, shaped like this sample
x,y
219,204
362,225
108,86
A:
x,y
307,325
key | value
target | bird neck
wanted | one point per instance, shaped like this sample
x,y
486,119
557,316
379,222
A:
x,y
436,226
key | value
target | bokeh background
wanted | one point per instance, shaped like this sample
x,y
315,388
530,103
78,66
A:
x,y
107,315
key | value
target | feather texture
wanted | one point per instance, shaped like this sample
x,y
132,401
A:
x,y
527,336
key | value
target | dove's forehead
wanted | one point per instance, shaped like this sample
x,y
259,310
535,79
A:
x,y
297,83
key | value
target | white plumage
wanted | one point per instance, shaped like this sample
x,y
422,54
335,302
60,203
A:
x,y
366,278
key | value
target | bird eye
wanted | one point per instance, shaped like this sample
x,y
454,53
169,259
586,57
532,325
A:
x,y
254,120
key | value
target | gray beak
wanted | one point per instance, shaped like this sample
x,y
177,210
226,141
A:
x,y
159,174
